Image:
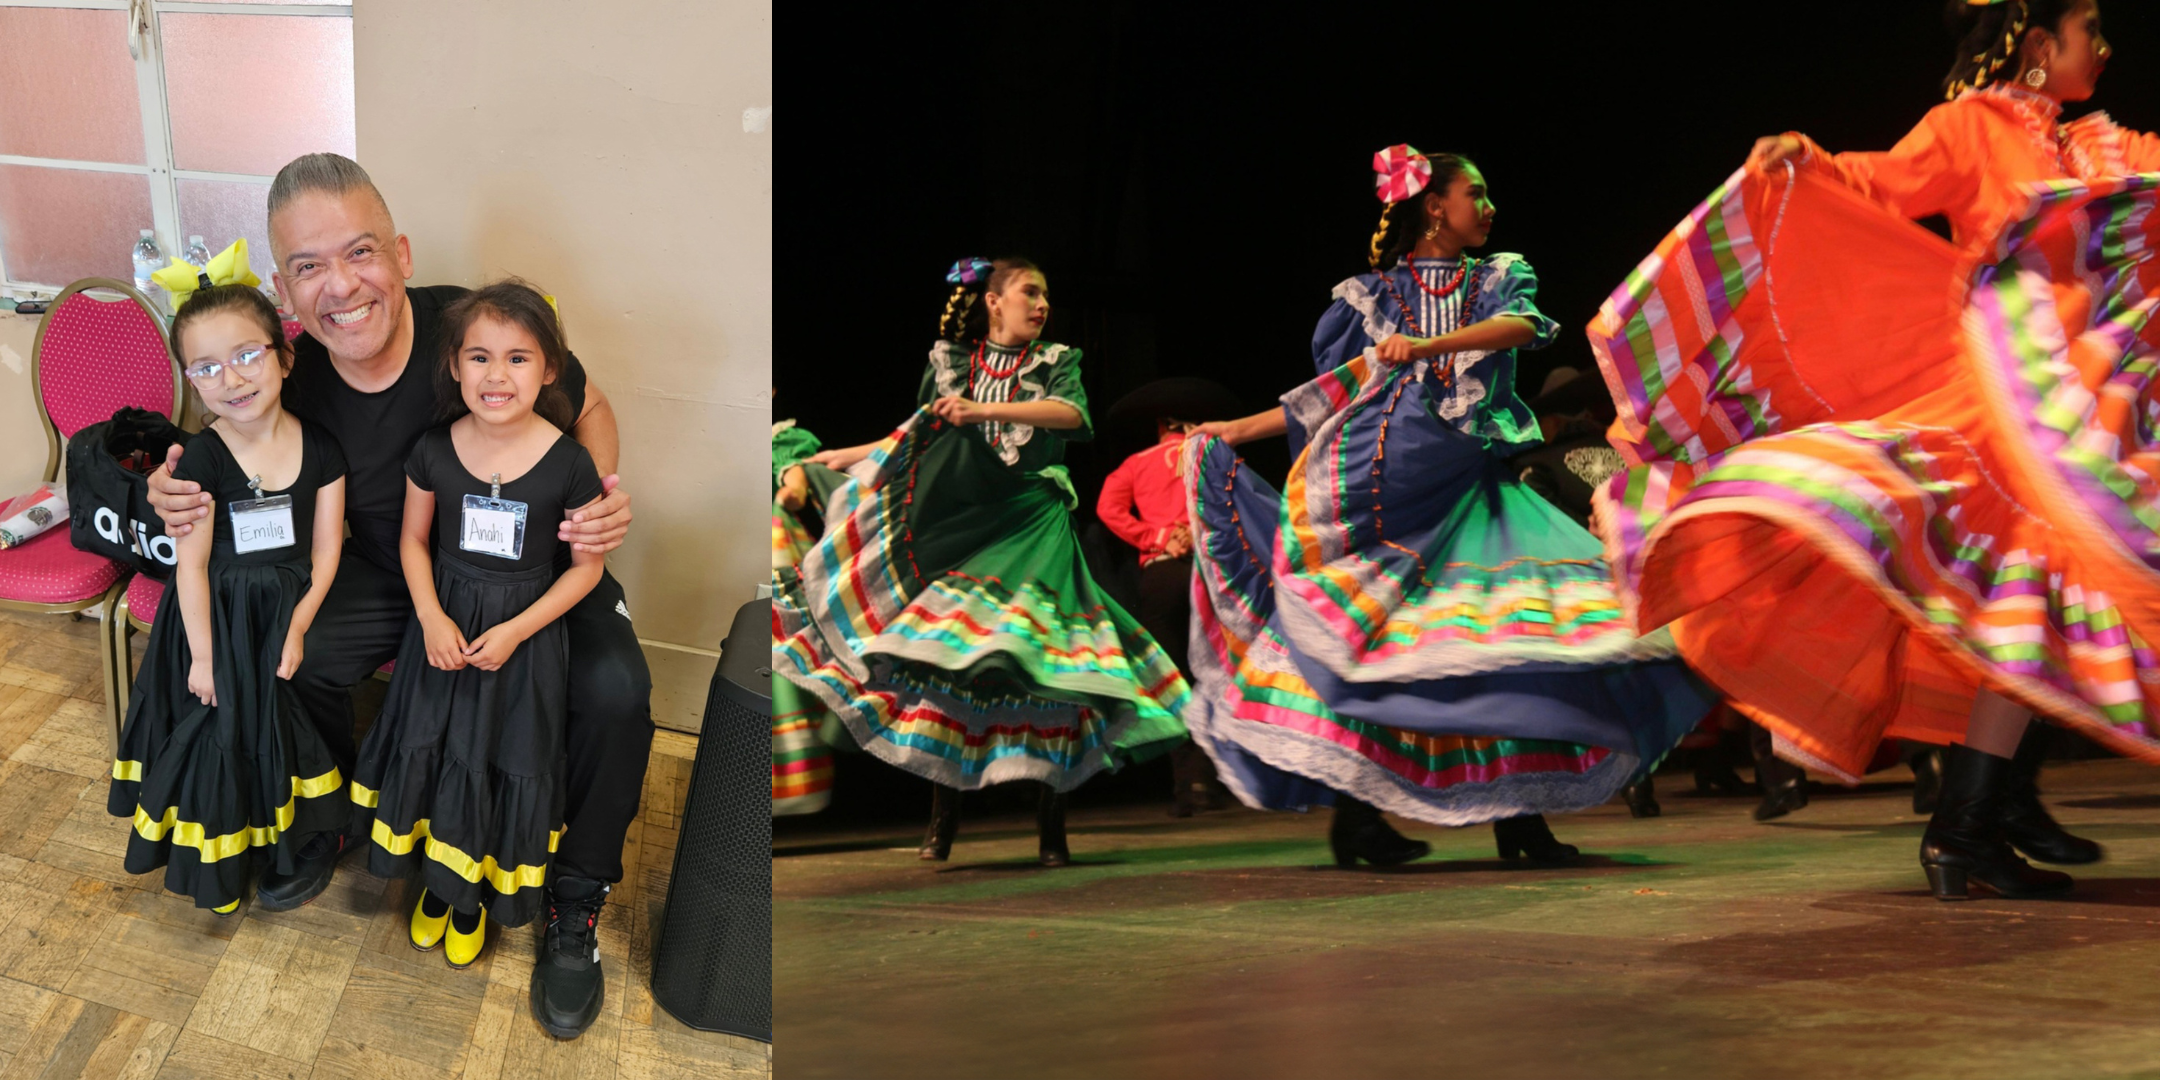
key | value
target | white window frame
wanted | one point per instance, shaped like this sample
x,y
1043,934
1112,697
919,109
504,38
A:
x,y
164,176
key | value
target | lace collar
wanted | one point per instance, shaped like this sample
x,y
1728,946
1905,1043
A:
x,y
2036,113
2023,101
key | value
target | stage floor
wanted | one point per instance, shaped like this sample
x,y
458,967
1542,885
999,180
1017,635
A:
x,y
1699,943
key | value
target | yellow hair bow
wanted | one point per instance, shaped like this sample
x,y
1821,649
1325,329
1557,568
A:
x,y
227,267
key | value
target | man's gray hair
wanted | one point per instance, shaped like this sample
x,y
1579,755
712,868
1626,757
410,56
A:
x,y
333,174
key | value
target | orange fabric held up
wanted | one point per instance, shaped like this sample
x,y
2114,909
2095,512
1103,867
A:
x,y
1808,558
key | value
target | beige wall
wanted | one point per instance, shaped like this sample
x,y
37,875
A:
x,y
602,151
22,445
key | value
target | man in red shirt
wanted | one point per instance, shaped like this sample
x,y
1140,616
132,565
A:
x,y
1143,502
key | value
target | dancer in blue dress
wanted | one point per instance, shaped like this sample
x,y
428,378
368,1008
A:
x,y
1406,627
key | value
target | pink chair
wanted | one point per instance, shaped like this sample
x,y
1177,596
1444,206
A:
x,y
95,353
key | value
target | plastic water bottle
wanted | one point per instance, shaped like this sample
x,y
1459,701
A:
x,y
148,260
196,254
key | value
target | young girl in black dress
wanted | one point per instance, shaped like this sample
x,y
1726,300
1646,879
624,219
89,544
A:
x,y
218,764
462,775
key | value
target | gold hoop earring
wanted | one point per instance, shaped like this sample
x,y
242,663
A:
x,y
2037,77
1433,231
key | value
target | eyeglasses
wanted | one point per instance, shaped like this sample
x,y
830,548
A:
x,y
247,361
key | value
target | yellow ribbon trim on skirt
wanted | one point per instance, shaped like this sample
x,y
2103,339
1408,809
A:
x,y
465,866
191,834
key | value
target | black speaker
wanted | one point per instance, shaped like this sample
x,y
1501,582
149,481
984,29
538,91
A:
x,y
712,952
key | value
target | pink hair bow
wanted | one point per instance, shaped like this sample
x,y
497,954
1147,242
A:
x,y
1403,172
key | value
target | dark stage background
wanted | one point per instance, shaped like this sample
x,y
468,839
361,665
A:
x,y
1195,179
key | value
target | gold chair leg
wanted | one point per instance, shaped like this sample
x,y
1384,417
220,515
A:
x,y
111,608
123,653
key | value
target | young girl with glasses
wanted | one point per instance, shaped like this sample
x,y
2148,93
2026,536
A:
x,y
218,766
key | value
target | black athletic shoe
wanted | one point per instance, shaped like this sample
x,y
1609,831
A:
x,y
566,983
311,874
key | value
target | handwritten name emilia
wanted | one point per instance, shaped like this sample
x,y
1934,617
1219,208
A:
x,y
256,534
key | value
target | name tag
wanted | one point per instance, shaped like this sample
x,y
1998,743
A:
x,y
262,524
492,527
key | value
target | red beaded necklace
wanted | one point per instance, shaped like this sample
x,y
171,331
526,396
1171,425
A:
x,y
980,363
1462,269
1462,274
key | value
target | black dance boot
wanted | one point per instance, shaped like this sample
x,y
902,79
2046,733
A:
x,y
1188,782
1527,836
944,824
1359,832
1926,763
1714,773
1784,784
1715,776
1641,798
1050,828
567,986
2027,824
1964,843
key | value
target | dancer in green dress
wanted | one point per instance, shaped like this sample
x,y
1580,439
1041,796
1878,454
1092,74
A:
x,y
949,618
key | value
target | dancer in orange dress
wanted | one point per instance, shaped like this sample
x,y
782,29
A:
x,y
1887,486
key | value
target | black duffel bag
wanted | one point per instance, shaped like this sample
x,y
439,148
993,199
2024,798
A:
x,y
108,490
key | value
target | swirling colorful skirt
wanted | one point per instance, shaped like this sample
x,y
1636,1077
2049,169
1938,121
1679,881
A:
x,y
1408,625
1873,473
950,622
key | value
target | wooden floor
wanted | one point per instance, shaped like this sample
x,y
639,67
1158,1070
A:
x,y
104,974
1699,944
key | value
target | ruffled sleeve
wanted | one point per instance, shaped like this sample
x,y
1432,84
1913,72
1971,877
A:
x,y
2140,150
1932,169
791,446
926,391
1510,288
946,373
1062,384
1350,325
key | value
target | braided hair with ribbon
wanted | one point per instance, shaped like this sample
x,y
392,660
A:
x,y
966,317
1401,175
225,285
1989,35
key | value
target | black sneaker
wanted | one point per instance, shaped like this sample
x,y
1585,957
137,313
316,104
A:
x,y
311,874
566,983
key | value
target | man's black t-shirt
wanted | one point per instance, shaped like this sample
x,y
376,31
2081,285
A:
x,y
377,431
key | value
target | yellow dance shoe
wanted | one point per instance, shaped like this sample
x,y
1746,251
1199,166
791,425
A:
x,y
226,911
462,949
427,932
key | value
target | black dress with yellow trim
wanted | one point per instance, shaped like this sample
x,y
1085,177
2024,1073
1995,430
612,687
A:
x,y
215,790
462,776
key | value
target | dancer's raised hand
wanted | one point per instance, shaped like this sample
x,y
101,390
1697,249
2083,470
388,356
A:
x,y
1770,150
